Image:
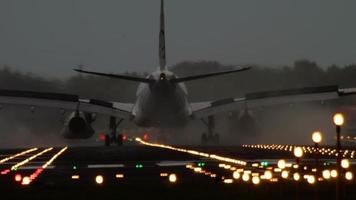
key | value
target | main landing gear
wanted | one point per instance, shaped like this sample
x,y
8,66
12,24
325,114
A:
x,y
210,137
113,137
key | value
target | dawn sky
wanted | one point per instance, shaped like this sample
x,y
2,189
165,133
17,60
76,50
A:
x,y
49,37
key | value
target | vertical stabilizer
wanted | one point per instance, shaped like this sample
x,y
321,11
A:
x,y
162,40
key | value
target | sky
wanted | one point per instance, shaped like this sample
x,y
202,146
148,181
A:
x,y
51,37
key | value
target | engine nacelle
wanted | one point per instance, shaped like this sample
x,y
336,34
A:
x,y
78,126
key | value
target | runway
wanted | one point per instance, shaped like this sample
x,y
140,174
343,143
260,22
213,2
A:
x,y
157,169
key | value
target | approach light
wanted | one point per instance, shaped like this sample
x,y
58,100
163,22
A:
x,y
317,137
338,119
298,152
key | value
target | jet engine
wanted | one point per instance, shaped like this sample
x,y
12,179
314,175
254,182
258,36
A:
x,y
78,126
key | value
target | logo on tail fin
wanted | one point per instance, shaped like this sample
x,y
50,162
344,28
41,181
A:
x,y
162,40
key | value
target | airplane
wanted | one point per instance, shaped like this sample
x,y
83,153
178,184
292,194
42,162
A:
x,y
161,101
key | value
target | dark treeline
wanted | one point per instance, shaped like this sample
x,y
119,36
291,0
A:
x,y
303,73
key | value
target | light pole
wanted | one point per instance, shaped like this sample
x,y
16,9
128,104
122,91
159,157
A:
x,y
298,153
317,138
338,120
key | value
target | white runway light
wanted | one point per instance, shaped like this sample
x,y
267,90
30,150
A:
x,y
99,179
172,178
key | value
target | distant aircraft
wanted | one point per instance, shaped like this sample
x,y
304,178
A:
x,y
162,101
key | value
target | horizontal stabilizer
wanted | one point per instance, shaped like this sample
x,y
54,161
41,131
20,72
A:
x,y
201,76
124,77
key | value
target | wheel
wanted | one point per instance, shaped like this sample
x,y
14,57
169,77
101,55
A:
x,y
119,140
204,139
107,140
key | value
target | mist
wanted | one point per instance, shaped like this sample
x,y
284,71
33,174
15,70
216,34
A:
x,y
283,124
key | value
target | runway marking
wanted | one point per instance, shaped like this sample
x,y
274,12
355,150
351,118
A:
x,y
17,155
34,167
193,152
174,163
35,174
106,166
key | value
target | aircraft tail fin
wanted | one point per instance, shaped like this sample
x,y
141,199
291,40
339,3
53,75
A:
x,y
162,40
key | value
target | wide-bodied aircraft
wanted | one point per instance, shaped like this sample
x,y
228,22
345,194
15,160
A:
x,y
161,101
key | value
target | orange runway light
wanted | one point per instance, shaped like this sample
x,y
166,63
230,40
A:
x,y
17,155
18,177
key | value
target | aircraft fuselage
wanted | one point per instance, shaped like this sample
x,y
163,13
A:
x,y
161,104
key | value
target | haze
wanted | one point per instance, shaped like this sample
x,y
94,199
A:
x,y
48,37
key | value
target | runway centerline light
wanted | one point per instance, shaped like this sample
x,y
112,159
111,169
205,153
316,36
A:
x,y
228,181
75,177
172,178
99,179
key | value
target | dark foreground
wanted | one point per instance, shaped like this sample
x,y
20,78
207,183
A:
x,y
141,172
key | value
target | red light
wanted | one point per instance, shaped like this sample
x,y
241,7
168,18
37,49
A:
x,y
124,137
145,136
101,137
6,171
18,177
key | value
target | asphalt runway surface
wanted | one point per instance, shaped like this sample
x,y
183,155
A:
x,y
138,171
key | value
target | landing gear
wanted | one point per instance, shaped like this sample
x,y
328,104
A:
x,y
113,137
107,140
210,137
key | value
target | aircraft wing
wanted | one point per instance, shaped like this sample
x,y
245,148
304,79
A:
x,y
268,98
65,102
